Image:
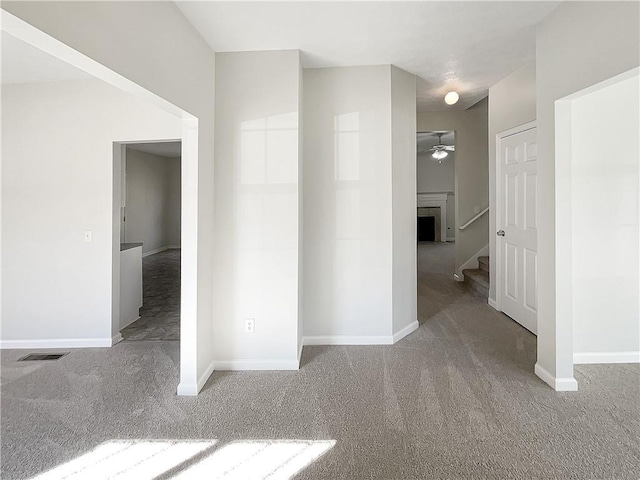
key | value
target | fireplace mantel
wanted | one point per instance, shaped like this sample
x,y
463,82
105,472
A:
x,y
436,200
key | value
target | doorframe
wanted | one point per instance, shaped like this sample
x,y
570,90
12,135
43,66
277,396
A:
x,y
498,276
563,133
31,35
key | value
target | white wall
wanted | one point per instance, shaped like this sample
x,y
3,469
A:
x,y
512,102
152,200
605,217
359,204
257,209
110,33
57,182
578,45
434,177
403,163
471,172
347,202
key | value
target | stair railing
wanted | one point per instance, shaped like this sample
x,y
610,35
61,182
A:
x,y
462,227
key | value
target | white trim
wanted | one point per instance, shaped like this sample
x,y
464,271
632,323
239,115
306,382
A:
x,y
472,263
451,239
634,72
606,357
229,365
412,327
519,129
154,251
564,353
348,340
122,327
117,338
187,390
492,303
161,249
62,343
31,35
300,351
558,384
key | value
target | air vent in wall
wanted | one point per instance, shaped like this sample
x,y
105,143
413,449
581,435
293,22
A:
x,y
42,356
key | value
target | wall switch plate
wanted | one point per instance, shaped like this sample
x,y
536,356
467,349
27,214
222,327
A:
x,y
476,209
88,236
249,325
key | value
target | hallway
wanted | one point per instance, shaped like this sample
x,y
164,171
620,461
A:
x,y
455,399
160,312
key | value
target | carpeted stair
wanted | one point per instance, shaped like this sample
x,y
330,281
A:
x,y
478,278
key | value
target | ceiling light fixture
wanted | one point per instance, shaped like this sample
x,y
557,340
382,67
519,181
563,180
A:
x,y
451,98
439,154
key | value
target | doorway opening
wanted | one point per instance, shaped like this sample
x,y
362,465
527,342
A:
x,y
102,230
435,184
435,219
150,241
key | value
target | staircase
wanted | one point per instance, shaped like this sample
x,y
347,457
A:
x,y
478,278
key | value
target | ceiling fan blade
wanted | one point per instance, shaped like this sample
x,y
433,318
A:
x,y
450,148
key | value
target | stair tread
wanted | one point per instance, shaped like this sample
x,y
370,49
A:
x,y
479,276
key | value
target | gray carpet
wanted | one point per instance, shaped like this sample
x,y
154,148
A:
x,y
456,399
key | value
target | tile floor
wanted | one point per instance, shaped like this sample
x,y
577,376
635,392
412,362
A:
x,y
160,312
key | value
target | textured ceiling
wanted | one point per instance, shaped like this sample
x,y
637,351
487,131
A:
x,y
466,46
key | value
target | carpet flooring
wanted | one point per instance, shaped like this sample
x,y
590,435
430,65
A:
x,y
457,399
160,312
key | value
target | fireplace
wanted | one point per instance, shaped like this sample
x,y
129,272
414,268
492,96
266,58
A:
x,y
429,224
426,228
434,205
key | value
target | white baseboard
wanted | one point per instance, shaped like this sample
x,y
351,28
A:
x,y
190,389
117,338
122,327
492,303
360,339
300,351
451,239
472,263
568,384
161,249
348,340
60,343
458,278
412,327
606,357
230,365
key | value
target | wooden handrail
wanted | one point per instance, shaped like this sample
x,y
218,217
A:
x,y
462,227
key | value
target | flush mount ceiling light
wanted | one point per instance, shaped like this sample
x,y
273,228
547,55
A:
x,y
439,155
451,98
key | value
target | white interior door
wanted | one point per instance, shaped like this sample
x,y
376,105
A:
x,y
516,222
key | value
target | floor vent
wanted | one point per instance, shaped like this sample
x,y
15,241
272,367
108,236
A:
x,y
42,356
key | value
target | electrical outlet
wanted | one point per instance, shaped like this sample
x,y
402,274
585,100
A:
x,y
88,236
250,325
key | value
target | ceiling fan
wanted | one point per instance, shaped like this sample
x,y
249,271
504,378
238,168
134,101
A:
x,y
440,151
